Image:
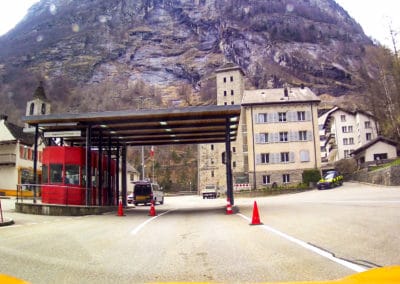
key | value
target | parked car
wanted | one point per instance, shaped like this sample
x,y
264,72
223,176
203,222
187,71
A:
x,y
129,198
330,180
144,192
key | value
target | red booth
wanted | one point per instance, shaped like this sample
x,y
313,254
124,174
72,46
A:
x,y
64,176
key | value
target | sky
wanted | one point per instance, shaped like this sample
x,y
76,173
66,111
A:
x,y
375,16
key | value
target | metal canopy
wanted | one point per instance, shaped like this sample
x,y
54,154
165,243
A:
x,y
190,125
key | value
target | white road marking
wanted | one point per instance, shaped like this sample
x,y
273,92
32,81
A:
x,y
310,247
138,228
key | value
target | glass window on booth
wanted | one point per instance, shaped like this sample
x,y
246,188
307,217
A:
x,y
56,173
72,174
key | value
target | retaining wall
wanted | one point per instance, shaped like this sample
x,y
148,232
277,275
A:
x,y
387,176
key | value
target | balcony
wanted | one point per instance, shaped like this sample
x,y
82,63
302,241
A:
x,y
7,159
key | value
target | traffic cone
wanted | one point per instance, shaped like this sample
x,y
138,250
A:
x,y
229,207
120,209
152,209
255,220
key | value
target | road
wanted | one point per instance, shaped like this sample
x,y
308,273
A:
x,y
192,239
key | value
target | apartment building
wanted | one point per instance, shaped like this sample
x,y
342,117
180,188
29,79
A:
x,y
277,138
345,131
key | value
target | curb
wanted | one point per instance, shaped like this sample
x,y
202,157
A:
x,y
6,222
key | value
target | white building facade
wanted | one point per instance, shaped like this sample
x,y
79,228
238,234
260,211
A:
x,y
345,131
277,139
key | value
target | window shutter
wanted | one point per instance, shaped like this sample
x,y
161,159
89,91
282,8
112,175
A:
x,y
309,136
293,136
304,156
256,118
258,159
291,157
308,115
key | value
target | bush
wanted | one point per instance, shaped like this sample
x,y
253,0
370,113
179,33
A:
x,y
309,176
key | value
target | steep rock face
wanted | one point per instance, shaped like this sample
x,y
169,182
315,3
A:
x,y
170,42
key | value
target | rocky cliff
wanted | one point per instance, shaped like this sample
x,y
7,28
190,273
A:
x,y
104,54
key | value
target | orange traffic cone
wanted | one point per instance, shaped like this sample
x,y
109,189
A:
x,y
152,209
120,209
229,207
255,220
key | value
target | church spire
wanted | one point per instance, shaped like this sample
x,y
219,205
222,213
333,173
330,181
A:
x,y
39,93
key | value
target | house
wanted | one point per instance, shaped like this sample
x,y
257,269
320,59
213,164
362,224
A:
x,y
345,131
277,135
17,147
378,149
16,157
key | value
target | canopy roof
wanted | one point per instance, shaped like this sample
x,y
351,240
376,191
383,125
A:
x,y
190,125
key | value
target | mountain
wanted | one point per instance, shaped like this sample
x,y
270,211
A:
x,y
99,55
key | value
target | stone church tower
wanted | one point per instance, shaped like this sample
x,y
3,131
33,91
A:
x,y
39,105
212,170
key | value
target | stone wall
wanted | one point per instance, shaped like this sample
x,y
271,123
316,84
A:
x,y
386,176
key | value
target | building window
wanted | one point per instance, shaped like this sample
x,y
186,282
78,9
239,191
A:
x,y
231,78
344,129
224,79
212,147
284,157
72,174
381,156
224,93
285,178
31,108
232,92
301,115
350,128
282,116
262,117
212,173
346,154
225,103
55,173
283,136
265,158
266,179
43,110
343,118
304,156
303,135
212,162
368,136
351,141
234,149
263,137
232,102
367,124
345,141
234,164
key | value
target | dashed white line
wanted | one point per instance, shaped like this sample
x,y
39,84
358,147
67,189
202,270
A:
x,y
310,247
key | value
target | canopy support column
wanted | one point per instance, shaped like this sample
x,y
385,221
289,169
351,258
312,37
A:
x,y
229,184
88,170
123,175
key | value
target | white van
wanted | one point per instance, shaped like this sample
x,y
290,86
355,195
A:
x,y
144,192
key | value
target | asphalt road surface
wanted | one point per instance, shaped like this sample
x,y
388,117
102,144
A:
x,y
315,235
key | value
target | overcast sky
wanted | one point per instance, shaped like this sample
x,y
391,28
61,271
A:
x,y
374,16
